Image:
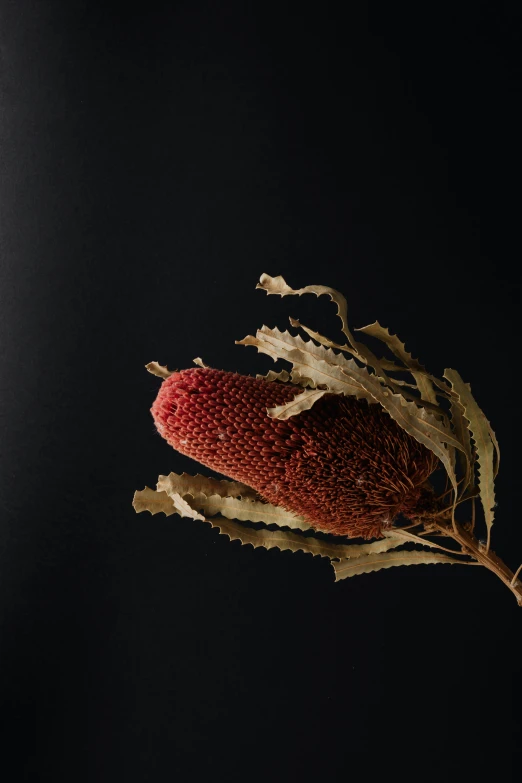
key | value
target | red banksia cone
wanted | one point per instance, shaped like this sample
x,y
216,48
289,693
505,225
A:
x,y
345,465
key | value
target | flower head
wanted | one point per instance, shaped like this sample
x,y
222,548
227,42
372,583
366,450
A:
x,y
345,465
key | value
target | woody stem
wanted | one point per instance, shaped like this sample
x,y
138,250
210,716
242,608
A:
x,y
471,546
436,518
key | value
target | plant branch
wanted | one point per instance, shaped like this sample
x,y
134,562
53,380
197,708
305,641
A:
x,y
471,546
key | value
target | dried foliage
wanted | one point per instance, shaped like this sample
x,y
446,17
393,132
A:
x,y
439,413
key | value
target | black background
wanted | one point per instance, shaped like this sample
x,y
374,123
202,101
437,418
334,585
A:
x,y
155,160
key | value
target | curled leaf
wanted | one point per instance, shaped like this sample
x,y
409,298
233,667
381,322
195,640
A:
x,y
423,380
191,485
277,285
480,430
271,375
302,402
152,501
245,510
158,369
181,506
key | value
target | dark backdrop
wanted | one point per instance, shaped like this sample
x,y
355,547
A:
x,y
155,160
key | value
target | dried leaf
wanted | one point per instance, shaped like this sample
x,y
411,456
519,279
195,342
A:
x,y
302,380
191,485
405,535
480,429
423,379
155,502
302,402
199,361
245,510
270,539
385,363
313,362
364,565
277,285
262,347
271,375
462,433
321,338
148,500
159,369
376,547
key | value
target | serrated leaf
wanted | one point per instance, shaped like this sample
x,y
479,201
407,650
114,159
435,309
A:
x,y
301,380
277,285
271,375
376,562
155,502
261,347
270,539
404,535
302,402
423,379
353,551
161,501
190,485
311,362
245,510
480,430
159,369
462,433
148,500
320,338
386,364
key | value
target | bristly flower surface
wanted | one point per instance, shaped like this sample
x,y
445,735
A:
x,y
345,465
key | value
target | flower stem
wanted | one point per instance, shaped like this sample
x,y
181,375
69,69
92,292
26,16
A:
x,y
484,556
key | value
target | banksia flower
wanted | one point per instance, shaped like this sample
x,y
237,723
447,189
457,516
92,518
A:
x,y
345,465
343,444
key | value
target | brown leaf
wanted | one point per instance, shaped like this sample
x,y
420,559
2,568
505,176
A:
x,y
191,485
364,565
321,338
404,535
155,502
462,433
159,369
277,285
353,551
312,362
199,361
423,380
271,375
302,402
168,502
245,510
481,430
270,539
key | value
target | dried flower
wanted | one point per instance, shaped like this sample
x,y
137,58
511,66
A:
x,y
342,443
345,465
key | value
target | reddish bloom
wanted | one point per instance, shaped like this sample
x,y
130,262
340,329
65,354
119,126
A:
x,y
345,465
